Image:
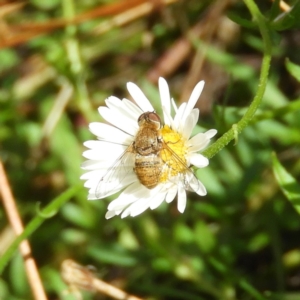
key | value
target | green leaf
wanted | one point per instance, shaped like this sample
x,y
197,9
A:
x,y
112,255
78,215
241,21
288,20
288,184
293,69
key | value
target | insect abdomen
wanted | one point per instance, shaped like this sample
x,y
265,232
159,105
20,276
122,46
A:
x,y
148,170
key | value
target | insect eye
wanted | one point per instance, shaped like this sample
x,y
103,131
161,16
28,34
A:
x,y
142,118
153,117
149,117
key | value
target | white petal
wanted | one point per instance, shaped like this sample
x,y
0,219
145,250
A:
x,y
93,196
178,117
91,174
139,97
140,208
158,200
134,108
197,186
142,203
168,118
172,192
198,160
210,133
110,134
93,181
110,214
193,99
118,120
100,145
131,194
113,102
197,142
110,176
165,99
136,208
104,189
92,164
121,107
99,165
125,214
101,151
174,106
190,123
181,202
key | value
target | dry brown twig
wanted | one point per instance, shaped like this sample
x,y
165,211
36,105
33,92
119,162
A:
x,y
79,277
210,23
17,34
60,103
16,223
181,49
8,8
129,15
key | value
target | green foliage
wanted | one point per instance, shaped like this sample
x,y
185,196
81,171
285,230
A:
x,y
287,183
293,69
241,241
289,19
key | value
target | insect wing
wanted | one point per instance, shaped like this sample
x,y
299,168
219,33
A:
x,y
186,175
193,184
119,174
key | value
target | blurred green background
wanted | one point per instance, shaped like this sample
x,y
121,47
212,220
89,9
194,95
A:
x,y
241,241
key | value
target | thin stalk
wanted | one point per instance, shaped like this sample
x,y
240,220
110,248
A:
x,y
265,67
36,222
76,63
16,223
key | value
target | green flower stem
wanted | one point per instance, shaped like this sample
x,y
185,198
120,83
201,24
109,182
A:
x,y
230,134
76,64
36,222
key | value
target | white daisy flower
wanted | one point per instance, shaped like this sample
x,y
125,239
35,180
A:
x,y
150,161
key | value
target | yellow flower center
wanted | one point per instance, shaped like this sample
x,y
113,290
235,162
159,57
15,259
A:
x,y
173,154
